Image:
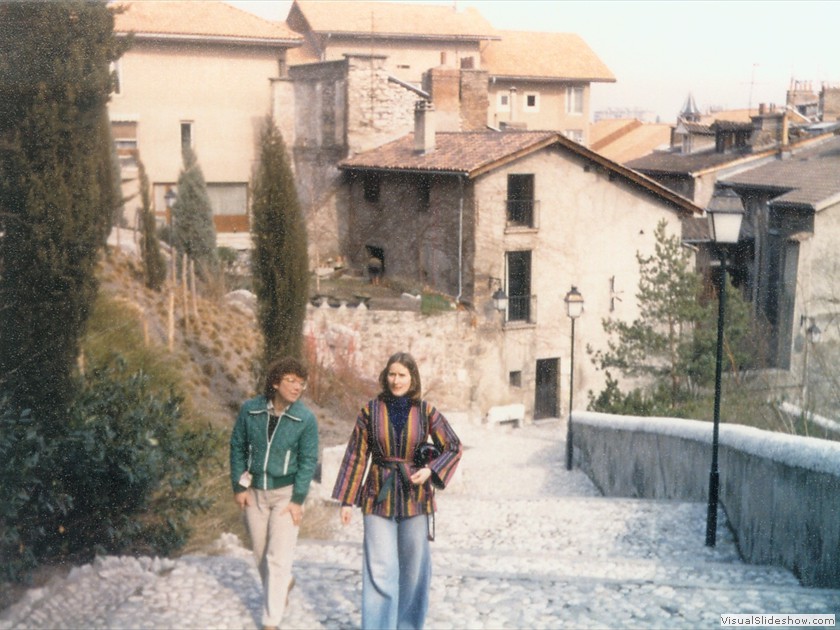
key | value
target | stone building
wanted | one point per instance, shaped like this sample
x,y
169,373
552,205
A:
x,y
533,213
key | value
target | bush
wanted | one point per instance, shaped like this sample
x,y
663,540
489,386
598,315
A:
x,y
121,479
28,492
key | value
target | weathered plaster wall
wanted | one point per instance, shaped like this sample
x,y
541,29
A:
x,y
781,493
590,229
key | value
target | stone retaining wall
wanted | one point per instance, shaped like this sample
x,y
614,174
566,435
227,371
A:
x,y
781,493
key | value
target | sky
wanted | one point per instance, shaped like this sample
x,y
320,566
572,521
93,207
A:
x,y
729,54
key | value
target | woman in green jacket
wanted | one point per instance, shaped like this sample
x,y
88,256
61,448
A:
x,y
273,453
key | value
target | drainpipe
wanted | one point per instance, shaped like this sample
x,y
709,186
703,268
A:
x,y
460,237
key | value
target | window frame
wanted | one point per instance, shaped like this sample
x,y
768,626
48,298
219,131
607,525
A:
x,y
575,106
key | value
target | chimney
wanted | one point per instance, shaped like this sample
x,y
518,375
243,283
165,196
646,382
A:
x,y
424,127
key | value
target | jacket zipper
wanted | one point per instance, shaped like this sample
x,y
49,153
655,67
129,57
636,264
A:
x,y
286,463
268,449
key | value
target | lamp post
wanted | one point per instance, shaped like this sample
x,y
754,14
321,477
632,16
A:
x,y
169,198
812,336
574,308
725,214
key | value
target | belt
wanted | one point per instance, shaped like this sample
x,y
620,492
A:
x,y
401,466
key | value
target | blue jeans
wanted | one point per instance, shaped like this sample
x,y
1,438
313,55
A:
x,y
396,573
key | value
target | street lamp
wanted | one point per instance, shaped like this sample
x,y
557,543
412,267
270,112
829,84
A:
x,y
725,214
574,308
169,198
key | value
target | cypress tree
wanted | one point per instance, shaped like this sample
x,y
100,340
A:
x,y
279,258
56,190
193,231
154,267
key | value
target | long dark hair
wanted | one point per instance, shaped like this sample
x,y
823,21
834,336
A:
x,y
408,362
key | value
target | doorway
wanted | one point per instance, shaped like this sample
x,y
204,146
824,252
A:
x,y
545,402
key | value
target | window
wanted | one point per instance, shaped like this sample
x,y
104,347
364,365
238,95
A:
x,y
502,102
532,102
371,184
520,200
516,378
125,140
186,134
424,191
227,199
574,100
574,134
519,286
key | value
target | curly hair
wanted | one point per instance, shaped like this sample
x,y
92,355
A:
x,y
280,368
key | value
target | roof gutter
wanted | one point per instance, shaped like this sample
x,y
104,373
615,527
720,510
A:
x,y
215,39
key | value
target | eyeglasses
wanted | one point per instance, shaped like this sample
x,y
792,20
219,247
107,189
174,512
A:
x,y
291,380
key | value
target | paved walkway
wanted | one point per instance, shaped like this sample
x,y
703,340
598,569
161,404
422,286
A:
x,y
521,543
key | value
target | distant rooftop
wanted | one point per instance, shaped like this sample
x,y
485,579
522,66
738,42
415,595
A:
x,y
206,20
534,55
393,20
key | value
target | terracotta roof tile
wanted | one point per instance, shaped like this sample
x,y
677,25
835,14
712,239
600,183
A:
x,y
456,152
622,140
395,19
191,18
475,153
544,55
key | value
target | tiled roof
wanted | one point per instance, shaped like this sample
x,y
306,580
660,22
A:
x,y
456,152
194,19
395,19
695,230
535,55
625,139
476,153
681,163
810,176
696,128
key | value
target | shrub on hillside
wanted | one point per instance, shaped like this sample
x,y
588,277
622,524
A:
x,y
120,479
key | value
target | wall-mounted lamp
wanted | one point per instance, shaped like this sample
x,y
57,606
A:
x,y
500,298
813,332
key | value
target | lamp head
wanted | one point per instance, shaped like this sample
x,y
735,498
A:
x,y
725,211
574,303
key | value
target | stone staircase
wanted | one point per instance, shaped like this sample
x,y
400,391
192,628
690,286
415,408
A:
x,y
523,543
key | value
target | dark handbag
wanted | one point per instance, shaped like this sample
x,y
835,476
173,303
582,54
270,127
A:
x,y
425,453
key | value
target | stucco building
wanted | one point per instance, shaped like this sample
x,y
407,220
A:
x,y
197,73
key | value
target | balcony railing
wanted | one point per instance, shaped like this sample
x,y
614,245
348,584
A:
x,y
522,309
522,213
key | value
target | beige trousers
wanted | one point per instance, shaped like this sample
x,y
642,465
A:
x,y
273,537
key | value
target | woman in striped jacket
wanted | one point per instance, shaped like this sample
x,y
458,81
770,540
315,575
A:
x,y
396,498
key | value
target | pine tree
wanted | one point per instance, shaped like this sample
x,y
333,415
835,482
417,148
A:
x,y
279,257
655,344
193,231
154,267
672,342
56,190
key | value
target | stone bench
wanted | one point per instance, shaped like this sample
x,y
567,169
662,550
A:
x,y
506,414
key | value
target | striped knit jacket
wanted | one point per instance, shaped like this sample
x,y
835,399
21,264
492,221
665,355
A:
x,y
373,438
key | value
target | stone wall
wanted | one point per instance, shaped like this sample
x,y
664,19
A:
x,y
781,493
445,345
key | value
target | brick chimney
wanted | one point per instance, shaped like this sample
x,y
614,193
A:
x,y
424,127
